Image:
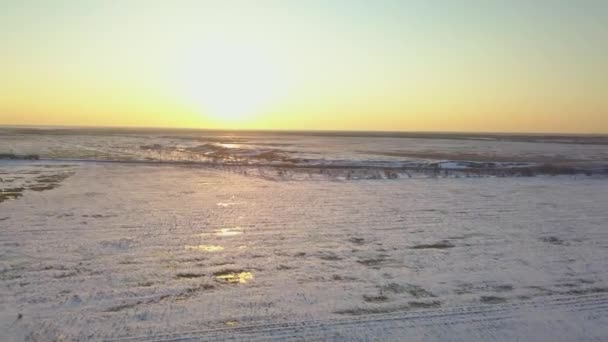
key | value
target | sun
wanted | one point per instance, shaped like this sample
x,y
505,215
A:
x,y
230,83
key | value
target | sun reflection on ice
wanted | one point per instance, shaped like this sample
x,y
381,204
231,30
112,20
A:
x,y
205,248
234,277
228,232
225,204
230,145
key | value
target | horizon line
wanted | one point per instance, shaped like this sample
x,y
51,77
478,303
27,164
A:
x,y
278,130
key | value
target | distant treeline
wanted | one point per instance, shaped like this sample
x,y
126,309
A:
x,y
584,139
13,156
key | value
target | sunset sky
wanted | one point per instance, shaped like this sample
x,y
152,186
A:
x,y
512,66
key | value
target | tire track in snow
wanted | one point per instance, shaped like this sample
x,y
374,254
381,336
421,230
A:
x,y
597,304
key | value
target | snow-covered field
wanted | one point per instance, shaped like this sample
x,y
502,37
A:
x,y
130,252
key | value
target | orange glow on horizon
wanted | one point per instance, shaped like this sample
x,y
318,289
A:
x,y
299,66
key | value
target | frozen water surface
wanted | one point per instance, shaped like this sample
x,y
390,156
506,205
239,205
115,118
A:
x,y
130,251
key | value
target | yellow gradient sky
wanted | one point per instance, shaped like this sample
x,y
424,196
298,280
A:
x,y
471,65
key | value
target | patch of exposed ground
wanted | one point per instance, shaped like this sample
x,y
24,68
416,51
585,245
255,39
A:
x,y
437,245
330,256
373,261
492,299
553,240
233,276
10,194
469,288
357,240
180,296
413,305
424,305
417,291
26,179
375,298
189,275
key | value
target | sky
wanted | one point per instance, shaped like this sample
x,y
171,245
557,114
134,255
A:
x,y
467,65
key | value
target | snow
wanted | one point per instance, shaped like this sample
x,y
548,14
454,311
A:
x,y
165,252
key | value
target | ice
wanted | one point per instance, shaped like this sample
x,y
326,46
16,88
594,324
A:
x,y
452,165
